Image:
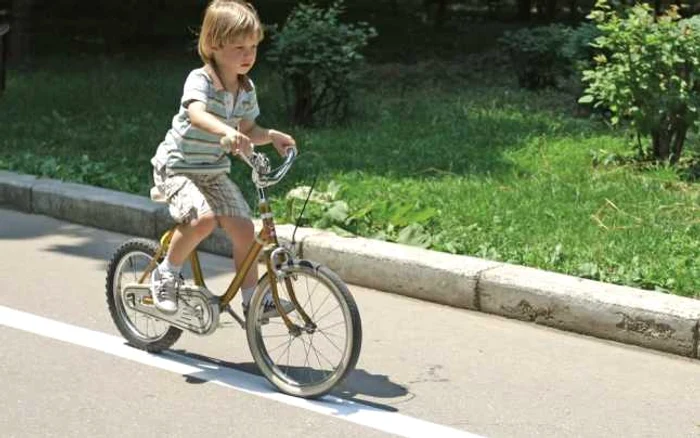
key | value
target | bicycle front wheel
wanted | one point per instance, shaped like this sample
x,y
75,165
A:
x,y
309,362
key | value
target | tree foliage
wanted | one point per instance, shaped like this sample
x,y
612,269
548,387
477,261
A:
x,y
317,56
544,56
536,54
650,75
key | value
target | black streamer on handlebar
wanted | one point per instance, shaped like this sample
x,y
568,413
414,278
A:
x,y
311,190
301,214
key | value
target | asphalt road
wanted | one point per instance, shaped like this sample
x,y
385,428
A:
x,y
425,369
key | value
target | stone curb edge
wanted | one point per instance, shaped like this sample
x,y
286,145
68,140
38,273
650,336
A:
x,y
644,318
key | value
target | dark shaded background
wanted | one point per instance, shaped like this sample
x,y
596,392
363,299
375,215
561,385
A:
x,y
409,30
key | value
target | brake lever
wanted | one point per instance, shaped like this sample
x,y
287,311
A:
x,y
260,163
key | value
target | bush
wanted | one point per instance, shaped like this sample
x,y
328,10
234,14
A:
x,y
650,75
536,54
317,57
551,55
578,50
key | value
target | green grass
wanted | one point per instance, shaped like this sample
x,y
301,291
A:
x,y
470,167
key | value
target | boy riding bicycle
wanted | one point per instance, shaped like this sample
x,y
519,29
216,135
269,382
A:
x,y
191,167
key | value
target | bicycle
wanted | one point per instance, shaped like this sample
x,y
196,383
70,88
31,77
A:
x,y
330,320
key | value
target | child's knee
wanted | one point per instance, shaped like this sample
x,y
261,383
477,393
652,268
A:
x,y
204,225
248,227
245,229
239,229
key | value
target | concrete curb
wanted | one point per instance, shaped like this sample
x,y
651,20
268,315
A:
x,y
648,319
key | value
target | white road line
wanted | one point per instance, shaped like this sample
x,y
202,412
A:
x,y
335,407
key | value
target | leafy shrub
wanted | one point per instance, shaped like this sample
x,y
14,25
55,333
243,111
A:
x,y
579,54
536,54
83,169
408,223
317,57
578,50
650,75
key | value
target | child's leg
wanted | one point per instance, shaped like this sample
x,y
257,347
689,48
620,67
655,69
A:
x,y
242,233
233,214
188,236
186,200
166,276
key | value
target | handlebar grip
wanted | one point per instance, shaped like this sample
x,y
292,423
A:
x,y
292,152
226,142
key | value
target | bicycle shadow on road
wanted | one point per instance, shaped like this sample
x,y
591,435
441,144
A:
x,y
357,385
365,384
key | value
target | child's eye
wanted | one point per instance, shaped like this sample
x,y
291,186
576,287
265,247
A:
x,y
239,48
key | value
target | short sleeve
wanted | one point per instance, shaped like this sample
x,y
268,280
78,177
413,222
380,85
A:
x,y
248,108
196,88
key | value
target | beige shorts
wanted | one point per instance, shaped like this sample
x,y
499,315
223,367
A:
x,y
190,196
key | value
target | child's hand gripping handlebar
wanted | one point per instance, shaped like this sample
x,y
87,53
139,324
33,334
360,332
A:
x,y
262,175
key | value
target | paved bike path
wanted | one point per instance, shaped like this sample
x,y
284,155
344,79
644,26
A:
x,y
57,271
650,319
479,373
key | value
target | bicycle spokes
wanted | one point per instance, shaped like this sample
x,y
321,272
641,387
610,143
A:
x,y
322,344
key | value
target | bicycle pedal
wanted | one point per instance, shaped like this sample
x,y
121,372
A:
x,y
226,324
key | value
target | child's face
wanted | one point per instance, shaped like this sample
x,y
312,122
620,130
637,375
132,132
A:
x,y
238,57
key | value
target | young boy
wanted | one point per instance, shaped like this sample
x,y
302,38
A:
x,y
191,168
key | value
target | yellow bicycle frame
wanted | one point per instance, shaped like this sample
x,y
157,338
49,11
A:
x,y
267,240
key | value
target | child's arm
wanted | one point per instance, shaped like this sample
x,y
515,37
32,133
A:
x,y
201,119
259,135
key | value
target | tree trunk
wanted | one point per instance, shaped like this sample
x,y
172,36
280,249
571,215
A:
x,y
678,142
302,113
524,10
551,9
4,51
573,11
692,8
394,6
661,141
440,11
441,14
20,33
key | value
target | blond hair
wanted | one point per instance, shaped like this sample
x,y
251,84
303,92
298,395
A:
x,y
226,21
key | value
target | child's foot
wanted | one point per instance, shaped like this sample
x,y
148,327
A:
x,y
270,311
164,287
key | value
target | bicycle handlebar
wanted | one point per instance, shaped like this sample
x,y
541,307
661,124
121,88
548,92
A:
x,y
262,175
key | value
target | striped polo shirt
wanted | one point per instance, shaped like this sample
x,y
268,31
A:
x,y
187,149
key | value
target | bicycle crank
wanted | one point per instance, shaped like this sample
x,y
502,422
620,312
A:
x,y
197,310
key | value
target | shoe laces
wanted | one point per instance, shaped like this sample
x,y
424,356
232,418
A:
x,y
268,304
169,284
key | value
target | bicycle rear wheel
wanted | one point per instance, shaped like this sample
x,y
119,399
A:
x,y
127,265
312,362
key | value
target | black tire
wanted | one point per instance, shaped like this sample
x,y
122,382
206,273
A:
x,y
288,378
143,249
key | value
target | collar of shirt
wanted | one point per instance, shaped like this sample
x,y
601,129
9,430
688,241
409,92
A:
x,y
243,80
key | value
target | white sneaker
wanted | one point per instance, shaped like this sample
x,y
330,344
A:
x,y
270,311
164,286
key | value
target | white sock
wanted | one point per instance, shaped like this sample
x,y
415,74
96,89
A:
x,y
166,266
247,294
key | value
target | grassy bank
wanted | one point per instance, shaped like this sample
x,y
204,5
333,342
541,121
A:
x,y
434,156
